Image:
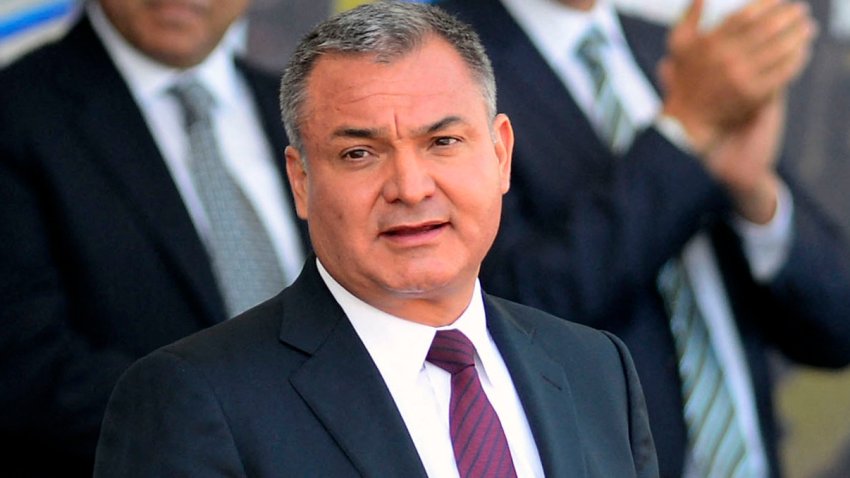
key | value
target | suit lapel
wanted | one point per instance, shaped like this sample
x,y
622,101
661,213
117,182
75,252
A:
x,y
111,123
342,386
523,71
544,392
541,108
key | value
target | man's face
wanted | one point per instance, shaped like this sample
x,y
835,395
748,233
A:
x,y
178,33
404,177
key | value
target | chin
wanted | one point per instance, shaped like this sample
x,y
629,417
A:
x,y
422,283
177,58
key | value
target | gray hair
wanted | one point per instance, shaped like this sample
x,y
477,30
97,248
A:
x,y
388,29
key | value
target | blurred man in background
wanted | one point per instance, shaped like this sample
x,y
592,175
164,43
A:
x,y
656,207
142,199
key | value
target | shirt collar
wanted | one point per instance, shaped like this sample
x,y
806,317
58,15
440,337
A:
x,y
398,346
149,79
557,29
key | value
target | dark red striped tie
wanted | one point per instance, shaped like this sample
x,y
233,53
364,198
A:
x,y
480,446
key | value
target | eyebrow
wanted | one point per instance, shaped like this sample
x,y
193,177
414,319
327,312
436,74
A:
x,y
440,125
371,133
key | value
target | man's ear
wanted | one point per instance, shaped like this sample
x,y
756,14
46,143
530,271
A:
x,y
503,141
296,170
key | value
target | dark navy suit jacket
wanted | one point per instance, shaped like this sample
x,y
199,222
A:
x,y
288,389
584,234
99,260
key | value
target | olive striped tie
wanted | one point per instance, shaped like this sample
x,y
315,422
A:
x,y
715,435
610,120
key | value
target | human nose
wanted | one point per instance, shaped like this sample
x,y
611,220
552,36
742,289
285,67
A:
x,y
410,179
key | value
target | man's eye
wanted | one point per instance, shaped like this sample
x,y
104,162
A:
x,y
445,141
355,155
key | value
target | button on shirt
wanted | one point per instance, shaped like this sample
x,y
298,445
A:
x,y
245,150
422,390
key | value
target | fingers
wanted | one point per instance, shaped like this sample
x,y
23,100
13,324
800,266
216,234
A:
x,y
786,69
784,20
715,81
687,29
765,45
693,14
746,16
786,57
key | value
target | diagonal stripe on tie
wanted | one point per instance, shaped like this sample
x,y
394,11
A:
x,y
479,443
609,117
243,258
715,435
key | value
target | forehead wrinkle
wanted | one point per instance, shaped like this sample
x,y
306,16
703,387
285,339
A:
x,y
374,133
355,132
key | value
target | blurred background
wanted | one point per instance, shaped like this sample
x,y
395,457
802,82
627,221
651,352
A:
x,y
814,406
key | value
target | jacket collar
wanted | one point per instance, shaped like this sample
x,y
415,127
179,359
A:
x,y
366,423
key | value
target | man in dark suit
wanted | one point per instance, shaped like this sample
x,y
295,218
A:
x,y
398,163
588,229
106,247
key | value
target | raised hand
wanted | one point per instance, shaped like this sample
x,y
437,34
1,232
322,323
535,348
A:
x,y
715,81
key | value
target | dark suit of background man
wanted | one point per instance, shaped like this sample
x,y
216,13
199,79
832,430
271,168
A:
x,y
103,243
391,112
819,138
587,230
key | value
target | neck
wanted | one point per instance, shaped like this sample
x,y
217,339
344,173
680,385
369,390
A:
x,y
427,312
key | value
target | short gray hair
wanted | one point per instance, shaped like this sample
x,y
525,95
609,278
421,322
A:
x,y
388,29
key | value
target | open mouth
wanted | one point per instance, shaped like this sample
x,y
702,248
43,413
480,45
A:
x,y
415,230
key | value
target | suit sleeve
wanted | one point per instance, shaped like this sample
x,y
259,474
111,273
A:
x,y
163,420
590,249
640,435
806,307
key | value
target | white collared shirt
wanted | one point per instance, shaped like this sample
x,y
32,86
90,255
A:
x,y
246,152
556,31
422,391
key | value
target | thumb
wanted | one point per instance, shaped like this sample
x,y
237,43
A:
x,y
692,15
687,28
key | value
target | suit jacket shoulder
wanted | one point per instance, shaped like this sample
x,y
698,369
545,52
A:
x,y
599,376
288,389
290,383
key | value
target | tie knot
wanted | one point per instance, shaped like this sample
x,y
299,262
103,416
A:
x,y
451,351
197,102
589,49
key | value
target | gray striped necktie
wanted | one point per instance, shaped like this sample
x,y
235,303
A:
x,y
613,126
715,435
243,259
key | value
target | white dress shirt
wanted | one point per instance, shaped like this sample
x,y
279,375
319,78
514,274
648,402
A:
x,y
245,150
556,31
422,390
